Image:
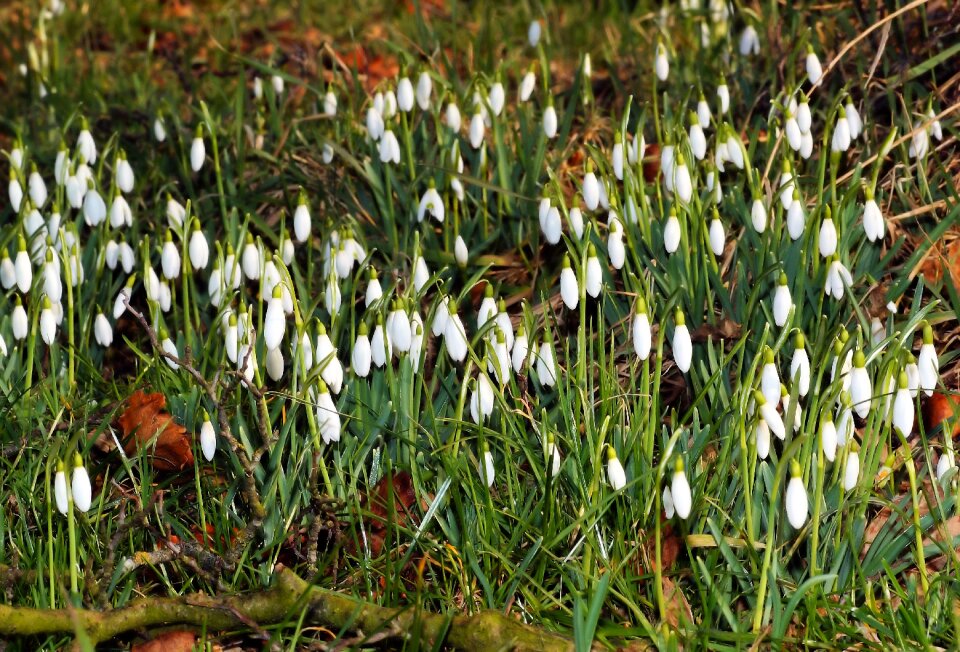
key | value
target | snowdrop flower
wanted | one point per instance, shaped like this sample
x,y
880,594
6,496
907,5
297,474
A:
x,y
453,117
325,357
841,133
671,233
274,322
668,166
94,208
198,248
102,330
928,363
913,374
828,437
198,152
851,472
497,97
575,219
48,322
682,346
828,237
37,188
793,133
488,307
52,286
854,122
361,356
616,156
533,33
903,410
481,399
374,123
421,273
424,90
120,213
546,360
758,216
782,302
698,140
680,490
735,150
723,93
60,489
661,66
328,418
553,455
374,291
768,412
796,498
552,227
806,145
208,438
549,119
277,82
168,347
945,463
8,271
460,252
636,149
591,188
381,348
569,289
615,247
593,274
769,377
18,319
176,213
520,349
330,103
749,41
454,335
527,85
477,130
14,191
717,234
814,69
170,257
123,297
681,180
800,365
504,324
616,476
251,259
301,218
498,361
838,277
642,340
431,203
85,144
159,130
80,485
405,95
398,327
703,112
389,148
873,224
796,220
861,388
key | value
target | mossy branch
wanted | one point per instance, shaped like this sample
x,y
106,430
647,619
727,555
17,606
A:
x,y
289,596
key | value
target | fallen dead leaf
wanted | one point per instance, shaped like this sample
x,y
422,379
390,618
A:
x,y
168,642
378,512
145,424
677,608
939,408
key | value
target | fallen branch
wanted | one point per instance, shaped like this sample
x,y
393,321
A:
x,y
289,597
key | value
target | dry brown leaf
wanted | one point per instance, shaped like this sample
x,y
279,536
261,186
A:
x,y
146,424
939,408
378,513
168,642
678,609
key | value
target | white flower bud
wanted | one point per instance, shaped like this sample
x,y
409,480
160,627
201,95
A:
x,y
680,491
208,439
80,486
682,346
616,476
796,498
